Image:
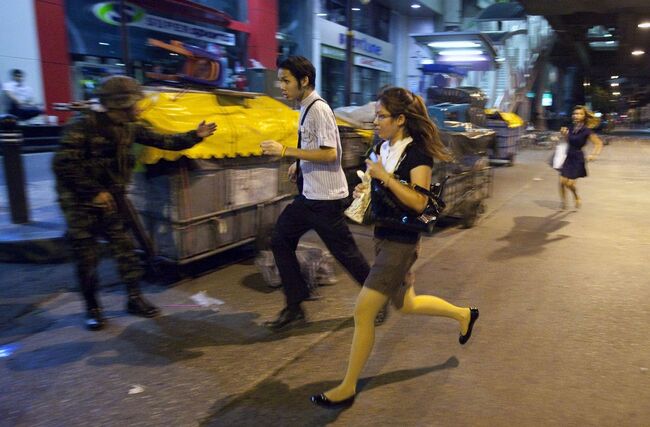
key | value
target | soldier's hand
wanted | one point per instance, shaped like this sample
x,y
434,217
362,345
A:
x,y
105,201
204,129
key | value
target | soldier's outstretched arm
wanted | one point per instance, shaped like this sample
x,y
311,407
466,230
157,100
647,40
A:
x,y
146,135
71,165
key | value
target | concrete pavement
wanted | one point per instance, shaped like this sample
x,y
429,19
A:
x,y
560,340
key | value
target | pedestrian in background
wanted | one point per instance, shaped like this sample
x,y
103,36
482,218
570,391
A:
x,y
577,137
20,97
322,187
93,167
411,142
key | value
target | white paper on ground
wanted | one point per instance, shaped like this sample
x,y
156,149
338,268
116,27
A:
x,y
202,299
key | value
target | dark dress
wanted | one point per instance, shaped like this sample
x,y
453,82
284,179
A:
x,y
574,164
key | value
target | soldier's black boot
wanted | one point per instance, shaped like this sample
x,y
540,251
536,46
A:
x,y
95,319
139,306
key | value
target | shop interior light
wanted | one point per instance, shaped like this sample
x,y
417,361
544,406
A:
x,y
460,52
454,44
321,14
613,77
616,93
356,9
104,44
426,61
614,85
637,52
474,58
415,6
645,24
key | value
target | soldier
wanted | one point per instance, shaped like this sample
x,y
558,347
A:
x,y
93,167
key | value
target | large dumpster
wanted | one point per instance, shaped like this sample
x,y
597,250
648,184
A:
x,y
221,193
509,129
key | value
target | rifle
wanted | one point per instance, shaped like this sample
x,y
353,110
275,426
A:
x,y
125,207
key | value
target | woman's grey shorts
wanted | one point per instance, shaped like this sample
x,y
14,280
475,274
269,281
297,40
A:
x,y
390,272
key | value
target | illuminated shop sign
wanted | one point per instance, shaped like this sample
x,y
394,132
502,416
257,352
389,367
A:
x,y
375,64
361,44
333,35
109,12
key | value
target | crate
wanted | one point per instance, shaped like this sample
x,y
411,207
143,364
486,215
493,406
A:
x,y
354,147
464,193
507,140
185,241
184,190
251,185
180,196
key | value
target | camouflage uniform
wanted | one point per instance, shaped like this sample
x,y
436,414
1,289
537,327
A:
x,y
95,156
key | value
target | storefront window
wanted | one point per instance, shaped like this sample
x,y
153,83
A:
x,y
333,82
95,43
367,83
372,19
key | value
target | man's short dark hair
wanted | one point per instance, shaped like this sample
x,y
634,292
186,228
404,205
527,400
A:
x,y
16,72
299,67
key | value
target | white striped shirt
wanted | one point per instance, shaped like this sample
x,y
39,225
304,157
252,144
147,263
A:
x,y
322,181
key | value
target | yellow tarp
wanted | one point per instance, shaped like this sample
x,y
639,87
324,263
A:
x,y
513,120
242,123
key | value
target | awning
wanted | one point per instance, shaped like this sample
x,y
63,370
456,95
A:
x,y
471,51
478,38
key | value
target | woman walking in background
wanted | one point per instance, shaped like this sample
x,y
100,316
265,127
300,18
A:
x,y
406,158
574,165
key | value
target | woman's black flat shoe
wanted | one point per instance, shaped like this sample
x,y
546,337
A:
x,y
322,400
472,318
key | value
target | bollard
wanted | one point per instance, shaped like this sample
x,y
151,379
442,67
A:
x,y
11,142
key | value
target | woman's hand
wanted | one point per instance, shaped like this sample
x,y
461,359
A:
x,y
204,129
376,170
564,130
360,190
591,157
271,148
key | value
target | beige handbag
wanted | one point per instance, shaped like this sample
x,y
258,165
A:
x,y
359,208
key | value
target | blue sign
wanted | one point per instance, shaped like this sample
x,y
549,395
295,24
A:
x,y
362,44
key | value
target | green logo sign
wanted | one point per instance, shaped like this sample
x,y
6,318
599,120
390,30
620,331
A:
x,y
109,12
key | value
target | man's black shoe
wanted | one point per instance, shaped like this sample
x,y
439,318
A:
x,y
288,317
95,319
139,306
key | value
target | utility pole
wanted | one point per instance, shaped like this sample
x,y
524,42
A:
x,y
349,57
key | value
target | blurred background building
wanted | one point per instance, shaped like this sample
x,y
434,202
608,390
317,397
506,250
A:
x,y
536,59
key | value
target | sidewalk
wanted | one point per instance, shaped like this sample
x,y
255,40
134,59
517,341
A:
x,y
557,343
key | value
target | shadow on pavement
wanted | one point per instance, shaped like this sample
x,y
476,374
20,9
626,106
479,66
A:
x,y
273,402
169,339
529,235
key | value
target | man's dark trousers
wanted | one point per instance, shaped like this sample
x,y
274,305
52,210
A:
x,y
327,219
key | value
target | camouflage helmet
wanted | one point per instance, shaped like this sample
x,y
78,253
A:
x,y
119,92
